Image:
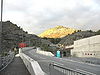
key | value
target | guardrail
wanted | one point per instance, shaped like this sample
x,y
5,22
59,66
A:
x,y
5,61
67,71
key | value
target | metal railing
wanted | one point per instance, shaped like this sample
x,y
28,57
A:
x,y
66,71
4,61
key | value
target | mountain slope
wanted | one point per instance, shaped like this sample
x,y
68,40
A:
x,y
12,35
69,40
57,32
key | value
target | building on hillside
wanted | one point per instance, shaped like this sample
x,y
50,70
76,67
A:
x,y
87,47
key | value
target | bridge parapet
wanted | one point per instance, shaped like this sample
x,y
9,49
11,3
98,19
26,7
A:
x,y
32,65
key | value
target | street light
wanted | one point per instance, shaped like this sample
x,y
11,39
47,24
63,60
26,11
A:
x,y
1,26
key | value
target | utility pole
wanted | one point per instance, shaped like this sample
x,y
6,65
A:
x,y
1,26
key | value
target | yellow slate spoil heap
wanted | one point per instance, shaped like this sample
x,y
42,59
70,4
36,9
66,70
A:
x,y
57,32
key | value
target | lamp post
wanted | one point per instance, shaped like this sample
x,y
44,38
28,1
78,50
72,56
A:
x,y
1,26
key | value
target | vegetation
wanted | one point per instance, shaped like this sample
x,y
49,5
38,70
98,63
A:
x,y
53,40
97,32
13,35
4,54
69,40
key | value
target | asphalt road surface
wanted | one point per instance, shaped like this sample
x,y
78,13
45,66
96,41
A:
x,y
45,61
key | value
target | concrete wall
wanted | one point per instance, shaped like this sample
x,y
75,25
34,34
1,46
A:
x,y
27,63
45,53
87,47
32,65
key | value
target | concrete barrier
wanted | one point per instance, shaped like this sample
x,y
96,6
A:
x,y
32,65
25,49
44,53
27,62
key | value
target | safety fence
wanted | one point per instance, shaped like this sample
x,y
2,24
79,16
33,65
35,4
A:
x,y
4,61
62,70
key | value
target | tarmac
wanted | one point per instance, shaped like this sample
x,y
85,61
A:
x,y
16,67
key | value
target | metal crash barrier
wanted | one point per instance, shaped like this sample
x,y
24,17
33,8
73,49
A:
x,y
66,71
4,61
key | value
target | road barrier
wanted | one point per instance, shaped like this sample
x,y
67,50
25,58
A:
x,y
44,53
32,65
5,61
27,61
67,71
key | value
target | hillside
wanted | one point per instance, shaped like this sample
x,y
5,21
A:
x,y
69,40
57,32
12,35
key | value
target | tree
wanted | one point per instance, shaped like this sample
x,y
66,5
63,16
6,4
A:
x,y
98,32
79,31
89,30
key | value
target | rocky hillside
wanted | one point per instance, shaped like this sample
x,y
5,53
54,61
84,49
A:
x,y
57,32
12,35
69,40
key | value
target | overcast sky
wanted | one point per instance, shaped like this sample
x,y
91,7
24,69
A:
x,y
36,16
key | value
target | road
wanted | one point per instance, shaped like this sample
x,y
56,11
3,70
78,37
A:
x,y
16,67
44,62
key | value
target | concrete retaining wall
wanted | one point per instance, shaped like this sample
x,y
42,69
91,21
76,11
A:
x,y
88,47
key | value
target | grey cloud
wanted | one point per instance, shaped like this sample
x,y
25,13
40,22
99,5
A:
x,y
38,20
97,1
